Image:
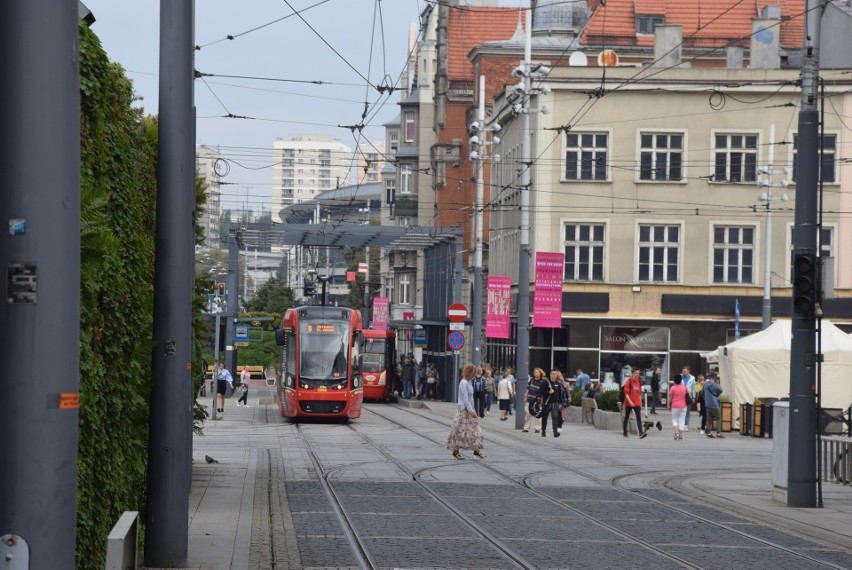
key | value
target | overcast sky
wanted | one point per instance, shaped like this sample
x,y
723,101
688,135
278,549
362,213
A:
x,y
373,43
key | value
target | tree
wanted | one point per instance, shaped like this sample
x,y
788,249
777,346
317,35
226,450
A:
x,y
273,297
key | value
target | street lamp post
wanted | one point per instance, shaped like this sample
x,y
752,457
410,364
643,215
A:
x,y
767,240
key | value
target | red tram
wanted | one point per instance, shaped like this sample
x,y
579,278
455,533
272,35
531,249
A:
x,y
319,363
378,364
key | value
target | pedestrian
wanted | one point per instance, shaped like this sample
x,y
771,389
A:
x,y
489,390
655,389
699,401
478,383
550,404
432,382
679,400
409,372
420,380
633,401
564,393
582,380
224,381
465,432
507,373
245,379
712,391
534,398
687,380
505,393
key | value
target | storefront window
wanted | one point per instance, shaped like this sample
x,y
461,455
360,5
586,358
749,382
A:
x,y
624,347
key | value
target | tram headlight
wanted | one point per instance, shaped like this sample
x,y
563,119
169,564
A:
x,y
356,381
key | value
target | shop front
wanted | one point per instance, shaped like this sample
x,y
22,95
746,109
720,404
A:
x,y
622,348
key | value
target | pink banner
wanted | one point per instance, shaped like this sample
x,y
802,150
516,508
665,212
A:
x,y
381,306
547,302
497,315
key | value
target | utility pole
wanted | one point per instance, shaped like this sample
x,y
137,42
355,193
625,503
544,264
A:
x,y
40,256
170,442
522,356
767,239
801,466
479,164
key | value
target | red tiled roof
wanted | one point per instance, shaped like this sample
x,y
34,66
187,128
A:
x,y
472,26
706,23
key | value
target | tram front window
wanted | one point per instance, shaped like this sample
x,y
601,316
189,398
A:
x,y
373,355
324,353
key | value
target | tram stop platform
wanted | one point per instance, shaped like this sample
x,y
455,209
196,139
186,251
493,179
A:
x,y
232,502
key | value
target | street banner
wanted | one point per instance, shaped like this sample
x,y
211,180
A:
x,y
547,301
499,304
381,307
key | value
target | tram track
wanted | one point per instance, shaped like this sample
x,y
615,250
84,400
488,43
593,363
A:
x,y
613,483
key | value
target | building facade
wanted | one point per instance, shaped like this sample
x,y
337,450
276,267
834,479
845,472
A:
x,y
205,163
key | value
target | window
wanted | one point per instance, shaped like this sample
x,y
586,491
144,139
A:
x,y
661,157
404,288
405,179
733,254
409,126
390,191
586,156
736,158
325,163
658,253
584,252
403,221
828,171
388,292
394,141
646,24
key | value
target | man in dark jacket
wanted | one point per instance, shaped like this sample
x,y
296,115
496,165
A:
x,y
655,389
712,390
409,371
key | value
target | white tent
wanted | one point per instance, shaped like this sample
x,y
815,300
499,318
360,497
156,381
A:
x,y
758,366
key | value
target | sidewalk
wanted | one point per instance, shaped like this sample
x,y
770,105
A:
x,y
230,500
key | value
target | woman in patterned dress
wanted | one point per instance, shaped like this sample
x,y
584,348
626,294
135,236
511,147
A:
x,y
465,433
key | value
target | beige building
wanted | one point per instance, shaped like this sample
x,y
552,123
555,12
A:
x,y
369,161
206,159
652,193
306,165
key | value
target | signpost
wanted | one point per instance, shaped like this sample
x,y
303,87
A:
x,y
455,340
241,335
457,313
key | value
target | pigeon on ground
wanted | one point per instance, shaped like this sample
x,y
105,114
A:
x,y
209,459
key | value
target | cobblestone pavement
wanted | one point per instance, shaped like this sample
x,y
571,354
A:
x,y
589,499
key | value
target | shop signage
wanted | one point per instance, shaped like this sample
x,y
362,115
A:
x,y
635,339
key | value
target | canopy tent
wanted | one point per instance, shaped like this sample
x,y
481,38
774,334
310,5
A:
x,y
758,366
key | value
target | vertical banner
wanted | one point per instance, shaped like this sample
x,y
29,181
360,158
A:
x,y
497,314
380,313
547,303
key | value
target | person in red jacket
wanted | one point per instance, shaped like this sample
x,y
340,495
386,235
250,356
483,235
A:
x,y
633,401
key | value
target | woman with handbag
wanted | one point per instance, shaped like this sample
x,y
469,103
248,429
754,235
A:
x,y
466,433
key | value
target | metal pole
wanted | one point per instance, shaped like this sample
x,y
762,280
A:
x,y
232,307
169,448
213,377
40,256
476,333
801,471
366,318
523,346
767,240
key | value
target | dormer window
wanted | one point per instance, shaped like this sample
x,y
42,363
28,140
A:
x,y
645,24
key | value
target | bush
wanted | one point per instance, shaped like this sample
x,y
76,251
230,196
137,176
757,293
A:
x,y
609,401
576,397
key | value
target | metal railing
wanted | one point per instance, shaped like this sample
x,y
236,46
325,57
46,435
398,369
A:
x,y
837,459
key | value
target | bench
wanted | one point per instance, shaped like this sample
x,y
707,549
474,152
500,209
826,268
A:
x,y
588,405
257,372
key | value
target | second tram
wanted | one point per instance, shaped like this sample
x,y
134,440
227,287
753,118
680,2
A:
x,y
319,358
378,364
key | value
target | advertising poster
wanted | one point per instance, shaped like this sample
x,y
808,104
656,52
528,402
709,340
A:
x,y
497,314
547,302
380,313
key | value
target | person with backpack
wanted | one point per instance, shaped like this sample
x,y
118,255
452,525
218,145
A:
x,y
478,383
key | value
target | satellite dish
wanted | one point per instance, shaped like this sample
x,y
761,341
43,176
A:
x,y
578,59
608,58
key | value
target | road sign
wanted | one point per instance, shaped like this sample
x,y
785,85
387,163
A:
x,y
457,313
456,326
455,340
241,335
419,337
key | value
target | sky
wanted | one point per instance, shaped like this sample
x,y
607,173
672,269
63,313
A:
x,y
370,38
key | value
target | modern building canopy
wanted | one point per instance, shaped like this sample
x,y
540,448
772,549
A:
x,y
343,235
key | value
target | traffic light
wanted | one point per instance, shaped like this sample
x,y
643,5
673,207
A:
x,y
805,284
221,289
310,289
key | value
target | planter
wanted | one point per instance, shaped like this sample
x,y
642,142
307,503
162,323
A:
x,y
573,414
727,416
607,420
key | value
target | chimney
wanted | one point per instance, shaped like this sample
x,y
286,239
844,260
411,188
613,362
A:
x,y
735,57
667,45
765,39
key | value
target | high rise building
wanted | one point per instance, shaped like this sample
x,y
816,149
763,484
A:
x,y
205,162
306,165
